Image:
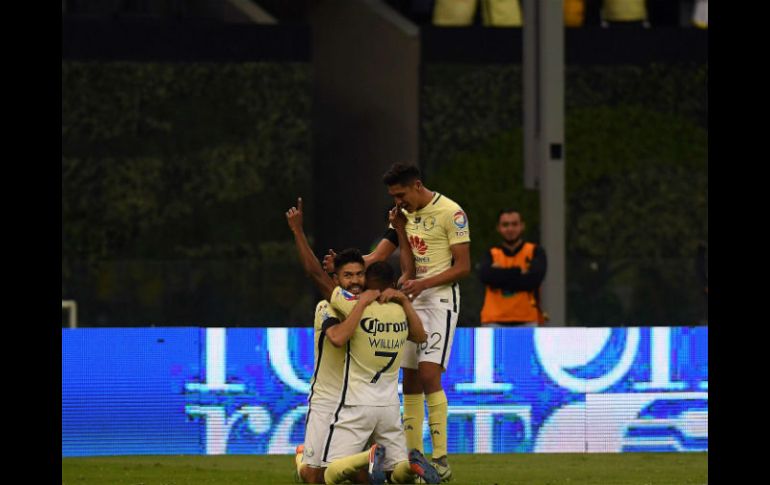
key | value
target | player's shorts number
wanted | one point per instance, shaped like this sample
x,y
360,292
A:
x,y
392,356
436,339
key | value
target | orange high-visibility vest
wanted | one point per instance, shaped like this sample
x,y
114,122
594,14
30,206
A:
x,y
521,306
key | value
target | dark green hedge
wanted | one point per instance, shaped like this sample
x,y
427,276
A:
x,y
637,180
181,162
175,178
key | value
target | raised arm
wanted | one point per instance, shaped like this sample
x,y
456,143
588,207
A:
x,y
309,262
339,334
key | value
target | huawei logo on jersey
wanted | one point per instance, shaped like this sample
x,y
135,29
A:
x,y
418,244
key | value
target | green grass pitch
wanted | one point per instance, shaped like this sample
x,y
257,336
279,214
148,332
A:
x,y
510,469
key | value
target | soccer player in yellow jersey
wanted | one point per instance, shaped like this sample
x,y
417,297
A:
x,y
439,238
368,404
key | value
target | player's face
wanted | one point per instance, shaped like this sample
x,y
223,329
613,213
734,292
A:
x,y
351,277
405,196
510,227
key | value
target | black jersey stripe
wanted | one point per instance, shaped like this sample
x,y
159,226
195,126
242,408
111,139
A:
x,y
446,336
342,403
315,374
437,198
454,297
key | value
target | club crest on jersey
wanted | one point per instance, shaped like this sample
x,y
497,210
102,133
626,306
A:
x,y
428,223
418,244
348,295
460,219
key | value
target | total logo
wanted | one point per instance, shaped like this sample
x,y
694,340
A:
x,y
418,244
460,219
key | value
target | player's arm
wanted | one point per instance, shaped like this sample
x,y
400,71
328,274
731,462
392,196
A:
x,y
461,267
339,334
384,249
382,252
397,221
309,262
416,330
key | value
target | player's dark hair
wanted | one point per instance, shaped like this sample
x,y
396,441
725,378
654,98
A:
x,y
380,275
349,255
401,174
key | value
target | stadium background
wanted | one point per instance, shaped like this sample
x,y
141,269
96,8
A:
x,y
187,132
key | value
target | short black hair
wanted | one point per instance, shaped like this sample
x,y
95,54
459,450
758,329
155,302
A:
x,y
346,256
380,275
509,211
401,174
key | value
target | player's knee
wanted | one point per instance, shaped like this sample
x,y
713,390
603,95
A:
x,y
312,474
430,377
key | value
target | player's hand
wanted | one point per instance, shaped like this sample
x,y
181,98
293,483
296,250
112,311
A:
x,y
328,262
401,280
368,296
412,288
397,219
390,294
294,216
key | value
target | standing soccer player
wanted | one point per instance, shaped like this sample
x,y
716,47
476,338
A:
x,y
439,237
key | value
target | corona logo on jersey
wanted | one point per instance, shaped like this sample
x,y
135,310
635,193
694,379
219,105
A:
x,y
460,219
418,244
373,325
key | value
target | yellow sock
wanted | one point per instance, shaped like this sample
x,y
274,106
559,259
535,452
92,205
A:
x,y
298,462
345,468
402,473
438,408
414,414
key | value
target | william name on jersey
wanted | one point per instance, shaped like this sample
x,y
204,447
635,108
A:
x,y
372,326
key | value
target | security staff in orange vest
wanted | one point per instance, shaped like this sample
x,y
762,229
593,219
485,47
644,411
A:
x,y
512,273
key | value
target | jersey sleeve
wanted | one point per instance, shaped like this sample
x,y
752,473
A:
x,y
343,301
323,312
455,222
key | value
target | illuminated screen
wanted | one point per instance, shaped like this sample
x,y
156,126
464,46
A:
x,y
244,390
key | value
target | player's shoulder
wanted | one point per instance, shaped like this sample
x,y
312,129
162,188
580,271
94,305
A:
x,y
448,206
341,293
324,309
321,306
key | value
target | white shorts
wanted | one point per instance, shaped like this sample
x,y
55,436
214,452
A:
x,y
317,423
354,427
439,324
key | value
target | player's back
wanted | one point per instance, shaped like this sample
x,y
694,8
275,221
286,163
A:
x,y
376,349
374,352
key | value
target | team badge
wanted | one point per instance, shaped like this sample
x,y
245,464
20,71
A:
x,y
348,295
460,219
428,223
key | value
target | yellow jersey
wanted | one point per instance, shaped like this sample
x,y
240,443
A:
x,y
374,352
431,231
329,361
